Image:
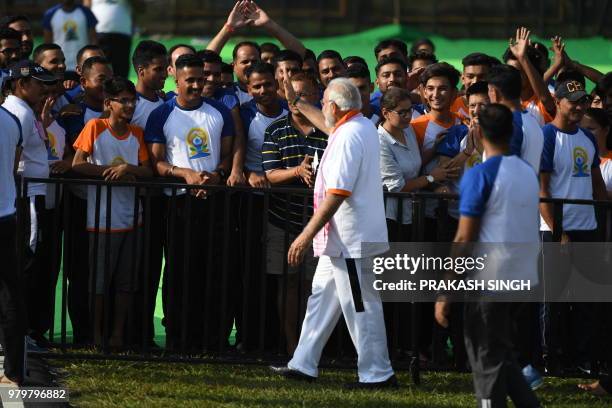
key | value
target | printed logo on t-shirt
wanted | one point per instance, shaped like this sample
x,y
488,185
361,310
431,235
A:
x,y
197,143
52,146
473,160
70,28
581,162
117,161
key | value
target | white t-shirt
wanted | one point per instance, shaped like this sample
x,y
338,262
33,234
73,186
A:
x,y
192,136
143,109
569,158
106,148
350,166
10,140
33,161
527,138
504,193
70,30
114,16
606,172
255,124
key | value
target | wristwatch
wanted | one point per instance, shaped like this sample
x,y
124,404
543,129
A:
x,y
430,178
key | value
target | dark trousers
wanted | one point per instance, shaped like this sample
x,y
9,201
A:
x,y
76,266
196,315
117,49
496,373
568,328
256,314
44,272
12,305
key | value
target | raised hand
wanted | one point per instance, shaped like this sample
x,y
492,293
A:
x,y
237,17
45,114
255,14
521,42
558,48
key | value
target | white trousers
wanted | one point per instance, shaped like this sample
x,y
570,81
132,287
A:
x,y
340,287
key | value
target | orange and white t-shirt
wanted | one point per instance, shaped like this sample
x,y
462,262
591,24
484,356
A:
x,y
427,129
460,109
606,170
105,148
535,106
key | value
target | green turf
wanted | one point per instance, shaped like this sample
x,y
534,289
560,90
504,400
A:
x,y
127,384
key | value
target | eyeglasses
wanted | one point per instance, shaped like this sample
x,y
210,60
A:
x,y
403,112
10,51
125,101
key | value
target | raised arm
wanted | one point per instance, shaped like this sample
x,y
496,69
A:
x,y
519,49
235,21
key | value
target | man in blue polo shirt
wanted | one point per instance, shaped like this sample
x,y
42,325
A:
x,y
190,137
503,185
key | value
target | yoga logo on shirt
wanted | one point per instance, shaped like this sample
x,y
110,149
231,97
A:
x,y
52,147
117,161
70,28
197,143
581,162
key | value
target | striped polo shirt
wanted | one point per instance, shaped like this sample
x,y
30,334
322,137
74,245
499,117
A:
x,y
285,147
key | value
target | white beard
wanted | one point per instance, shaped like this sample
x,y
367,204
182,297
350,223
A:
x,y
330,121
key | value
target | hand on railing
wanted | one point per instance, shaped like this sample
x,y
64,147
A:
x,y
258,180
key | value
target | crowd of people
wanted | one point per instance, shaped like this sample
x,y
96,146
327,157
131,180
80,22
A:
x,y
263,120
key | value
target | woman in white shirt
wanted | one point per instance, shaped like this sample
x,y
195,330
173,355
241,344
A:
x,y
400,161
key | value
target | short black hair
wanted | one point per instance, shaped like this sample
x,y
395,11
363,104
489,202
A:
x,y
393,42
227,68
604,85
495,120
270,47
477,88
115,85
422,41
287,55
259,68
477,58
209,56
245,44
330,54
146,51
188,61
10,34
534,56
541,48
422,55
358,71
441,69
309,55
571,75
83,50
90,62
507,79
8,20
599,115
354,59
390,60
38,51
177,46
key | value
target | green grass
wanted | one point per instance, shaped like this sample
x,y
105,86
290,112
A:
x,y
138,384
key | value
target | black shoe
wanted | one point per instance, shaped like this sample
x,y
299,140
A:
x,y
292,374
390,382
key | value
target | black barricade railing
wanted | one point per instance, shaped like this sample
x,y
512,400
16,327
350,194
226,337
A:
x,y
225,276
